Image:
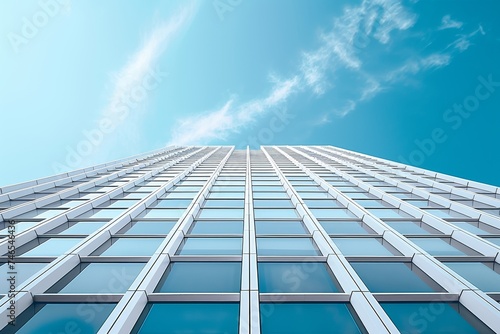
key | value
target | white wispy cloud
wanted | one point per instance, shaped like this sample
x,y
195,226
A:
x,y
142,62
448,23
340,58
372,20
417,65
133,84
463,42
231,117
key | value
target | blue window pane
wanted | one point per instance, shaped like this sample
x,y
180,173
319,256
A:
x,y
344,227
63,318
23,272
479,274
434,317
389,213
276,277
163,213
286,247
228,203
332,213
19,227
275,213
392,277
280,227
202,277
277,203
53,247
150,227
278,194
471,228
172,203
408,228
41,213
113,278
445,213
227,188
133,247
310,318
228,195
102,213
82,228
437,247
361,247
216,318
323,203
211,246
221,213
217,227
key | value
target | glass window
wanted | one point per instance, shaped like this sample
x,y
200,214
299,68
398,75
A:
x,y
189,318
323,203
129,247
52,247
82,228
124,203
227,195
388,213
363,246
300,318
435,317
202,277
371,203
172,204
62,318
484,276
280,227
347,227
163,213
394,277
440,247
227,188
102,213
332,213
275,213
445,213
316,194
221,213
471,228
210,246
267,188
224,203
23,272
411,228
113,278
293,277
279,194
148,227
217,227
19,227
286,247
277,203
41,213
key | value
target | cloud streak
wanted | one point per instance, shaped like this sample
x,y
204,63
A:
x,y
448,23
231,117
135,82
362,33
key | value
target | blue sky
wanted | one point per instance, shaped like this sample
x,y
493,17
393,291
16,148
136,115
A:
x,y
85,82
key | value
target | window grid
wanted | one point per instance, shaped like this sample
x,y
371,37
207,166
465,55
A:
x,y
283,225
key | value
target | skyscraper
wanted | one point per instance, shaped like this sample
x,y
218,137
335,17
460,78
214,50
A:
x,y
278,240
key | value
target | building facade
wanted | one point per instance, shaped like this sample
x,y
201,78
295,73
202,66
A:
x,y
285,239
